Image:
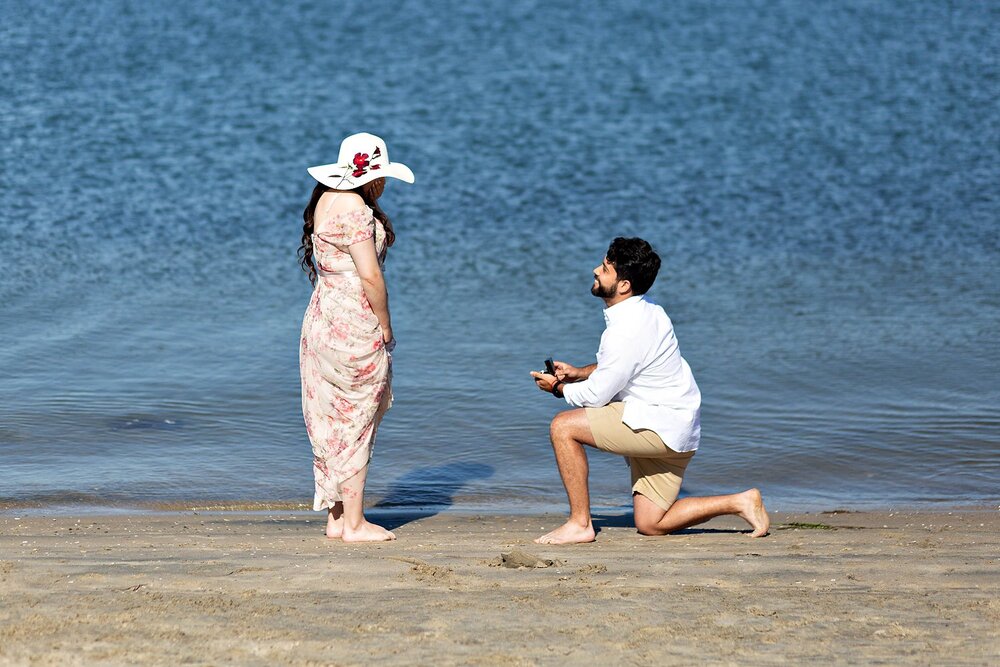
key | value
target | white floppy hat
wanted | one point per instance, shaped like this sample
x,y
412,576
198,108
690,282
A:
x,y
363,158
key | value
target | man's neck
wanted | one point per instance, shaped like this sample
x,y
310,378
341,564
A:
x,y
616,299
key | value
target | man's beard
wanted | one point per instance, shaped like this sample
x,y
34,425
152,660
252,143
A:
x,y
602,292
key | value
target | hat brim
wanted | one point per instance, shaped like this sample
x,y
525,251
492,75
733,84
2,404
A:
x,y
338,177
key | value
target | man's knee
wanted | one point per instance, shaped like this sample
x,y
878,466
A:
x,y
647,526
647,515
560,429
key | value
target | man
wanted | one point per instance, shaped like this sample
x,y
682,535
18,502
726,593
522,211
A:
x,y
639,400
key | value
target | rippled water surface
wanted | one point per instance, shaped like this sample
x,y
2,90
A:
x,y
821,180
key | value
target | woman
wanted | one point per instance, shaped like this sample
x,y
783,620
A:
x,y
344,356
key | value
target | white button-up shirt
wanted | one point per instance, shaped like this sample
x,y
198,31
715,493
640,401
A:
x,y
640,364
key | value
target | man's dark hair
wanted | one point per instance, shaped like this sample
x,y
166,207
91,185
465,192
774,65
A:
x,y
635,261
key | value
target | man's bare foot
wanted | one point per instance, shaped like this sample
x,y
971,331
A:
x,y
367,532
569,533
752,511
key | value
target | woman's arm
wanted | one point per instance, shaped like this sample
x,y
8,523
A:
x,y
373,283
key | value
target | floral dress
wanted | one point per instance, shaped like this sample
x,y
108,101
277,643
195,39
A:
x,y
345,368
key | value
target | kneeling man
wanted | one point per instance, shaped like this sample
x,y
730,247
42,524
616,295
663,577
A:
x,y
640,401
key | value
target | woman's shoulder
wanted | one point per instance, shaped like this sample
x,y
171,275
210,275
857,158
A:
x,y
334,203
344,223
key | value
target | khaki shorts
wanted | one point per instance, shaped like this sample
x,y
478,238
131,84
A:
x,y
657,470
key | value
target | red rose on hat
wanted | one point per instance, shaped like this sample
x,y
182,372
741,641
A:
x,y
361,164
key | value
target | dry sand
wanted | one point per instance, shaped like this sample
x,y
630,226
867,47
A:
x,y
270,589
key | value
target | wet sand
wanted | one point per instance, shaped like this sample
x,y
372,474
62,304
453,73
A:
x,y
269,589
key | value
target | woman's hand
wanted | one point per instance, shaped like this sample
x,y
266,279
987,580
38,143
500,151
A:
x,y
388,339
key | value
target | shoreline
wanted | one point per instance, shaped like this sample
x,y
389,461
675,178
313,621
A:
x,y
96,507
900,587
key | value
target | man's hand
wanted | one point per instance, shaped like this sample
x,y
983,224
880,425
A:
x,y
544,381
567,373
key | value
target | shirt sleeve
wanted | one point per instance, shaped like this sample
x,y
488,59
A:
x,y
348,228
617,363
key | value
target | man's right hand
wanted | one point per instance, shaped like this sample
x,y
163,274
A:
x,y
565,372
568,373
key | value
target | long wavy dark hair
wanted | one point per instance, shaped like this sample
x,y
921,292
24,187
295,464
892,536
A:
x,y
369,192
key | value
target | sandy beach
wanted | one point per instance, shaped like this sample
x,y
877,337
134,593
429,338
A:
x,y
268,589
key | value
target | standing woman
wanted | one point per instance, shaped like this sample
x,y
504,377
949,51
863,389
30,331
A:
x,y
344,355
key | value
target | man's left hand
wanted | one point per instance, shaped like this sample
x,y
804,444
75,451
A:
x,y
544,381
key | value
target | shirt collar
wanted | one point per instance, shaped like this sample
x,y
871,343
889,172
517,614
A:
x,y
622,309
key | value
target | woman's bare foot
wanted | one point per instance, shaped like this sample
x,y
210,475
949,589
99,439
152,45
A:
x,y
367,532
569,533
752,511
334,527
335,521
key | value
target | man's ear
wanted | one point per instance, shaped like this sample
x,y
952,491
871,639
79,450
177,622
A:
x,y
624,286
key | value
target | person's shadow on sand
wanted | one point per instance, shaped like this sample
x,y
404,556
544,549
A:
x,y
423,492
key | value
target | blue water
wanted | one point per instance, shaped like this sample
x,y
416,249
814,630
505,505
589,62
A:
x,y
821,179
